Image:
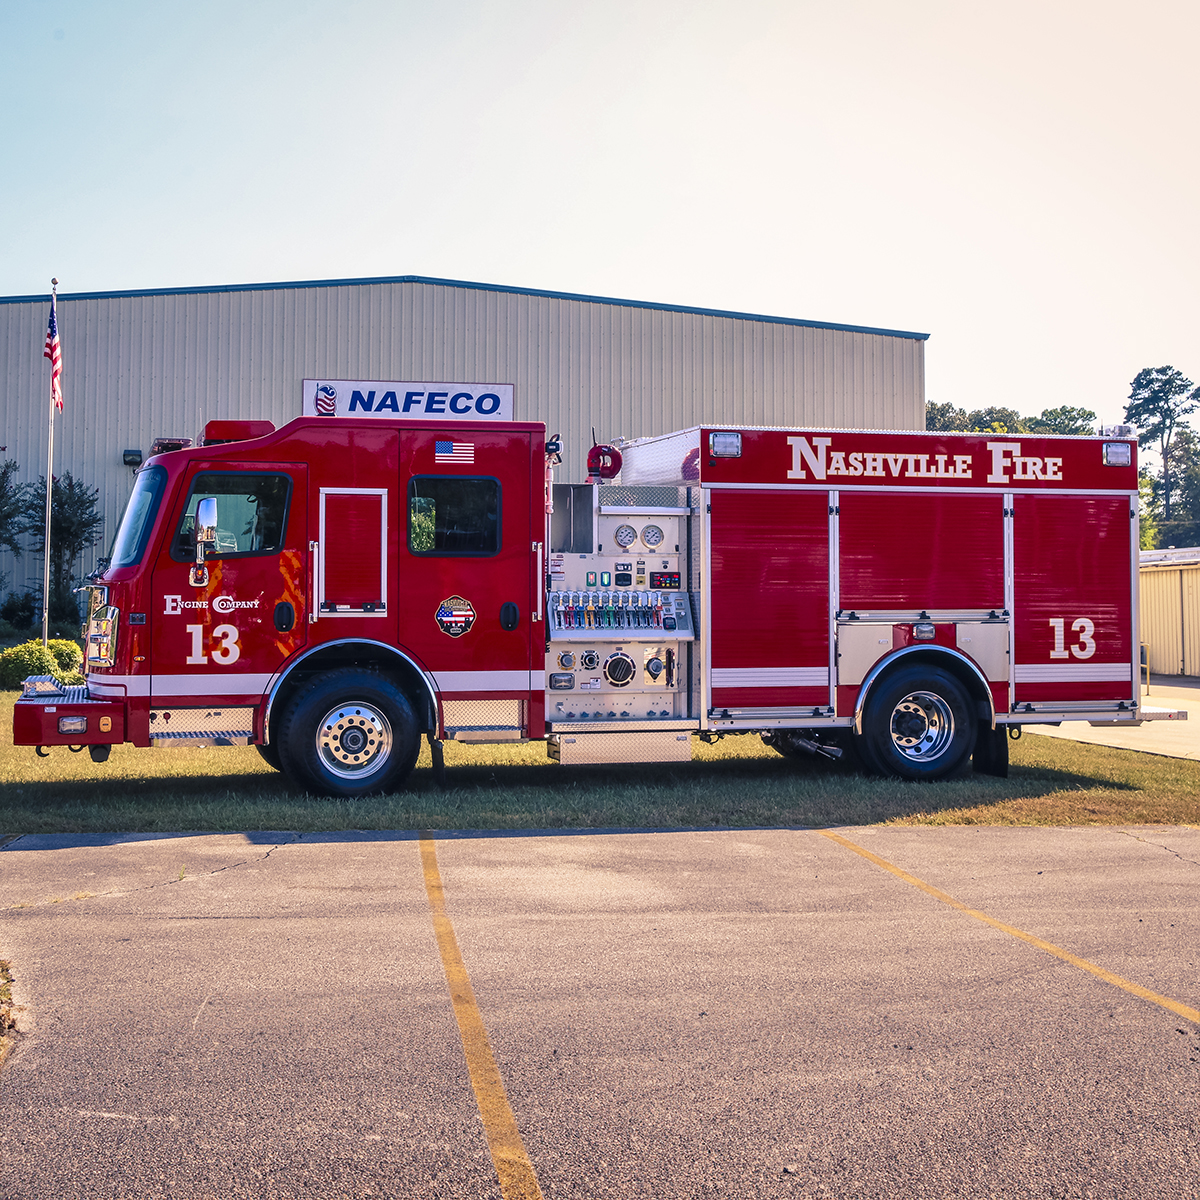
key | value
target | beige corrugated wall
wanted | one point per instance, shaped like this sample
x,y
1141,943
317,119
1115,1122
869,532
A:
x,y
1170,618
141,366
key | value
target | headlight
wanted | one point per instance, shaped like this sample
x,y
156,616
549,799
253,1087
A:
x,y
102,636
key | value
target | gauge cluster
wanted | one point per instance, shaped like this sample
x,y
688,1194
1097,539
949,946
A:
x,y
620,624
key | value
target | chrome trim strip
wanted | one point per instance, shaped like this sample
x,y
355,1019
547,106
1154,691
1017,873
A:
x,y
488,681
283,675
927,647
769,677
966,490
834,550
1081,672
1010,589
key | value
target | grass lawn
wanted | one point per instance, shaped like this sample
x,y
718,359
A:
x,y
736,782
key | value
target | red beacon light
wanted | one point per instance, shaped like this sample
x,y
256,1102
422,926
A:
x,y
603,462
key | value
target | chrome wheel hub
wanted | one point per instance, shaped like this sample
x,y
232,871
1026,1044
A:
x,y
922,726
354,740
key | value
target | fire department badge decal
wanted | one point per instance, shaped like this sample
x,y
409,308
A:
x,y
455,616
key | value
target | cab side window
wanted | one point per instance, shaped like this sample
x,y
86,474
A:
x,y
453,515
252,511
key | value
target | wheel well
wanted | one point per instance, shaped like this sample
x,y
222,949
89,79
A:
x,y
371,656
965,672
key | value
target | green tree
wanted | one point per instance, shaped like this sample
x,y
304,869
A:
x,y
12,506
1064,420
996,420
945,418
1182,478
1160,400
948,418
74,526
1147,521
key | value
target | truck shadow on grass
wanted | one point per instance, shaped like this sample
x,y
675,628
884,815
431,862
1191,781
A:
x,y
742,792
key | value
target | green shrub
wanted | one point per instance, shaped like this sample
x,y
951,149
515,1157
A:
x,y
32,658
67,655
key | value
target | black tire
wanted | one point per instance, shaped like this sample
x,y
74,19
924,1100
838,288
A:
x,y
349,733
918,724
269,754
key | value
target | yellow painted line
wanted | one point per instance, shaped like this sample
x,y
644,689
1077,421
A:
x,y
513,1168
1182,1010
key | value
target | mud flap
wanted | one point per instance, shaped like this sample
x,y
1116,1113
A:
x,y
439,762
991,750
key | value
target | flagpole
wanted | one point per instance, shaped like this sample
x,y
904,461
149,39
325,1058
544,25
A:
x,y
49,486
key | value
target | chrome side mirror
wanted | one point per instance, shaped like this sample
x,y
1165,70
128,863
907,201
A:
x,y
206,535
206,522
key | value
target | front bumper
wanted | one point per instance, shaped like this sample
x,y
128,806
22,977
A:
x,y
50,713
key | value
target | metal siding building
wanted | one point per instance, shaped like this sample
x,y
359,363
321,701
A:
x,y
1170,610
140,365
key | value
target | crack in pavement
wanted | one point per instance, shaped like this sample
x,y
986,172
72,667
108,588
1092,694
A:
x,y
1158,845
151,886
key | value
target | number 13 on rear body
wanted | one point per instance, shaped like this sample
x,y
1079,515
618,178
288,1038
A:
x,y
1084,648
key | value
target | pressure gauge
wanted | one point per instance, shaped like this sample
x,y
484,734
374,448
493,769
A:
x,y
652,536
625,536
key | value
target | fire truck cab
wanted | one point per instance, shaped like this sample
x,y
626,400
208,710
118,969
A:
x,y
335,589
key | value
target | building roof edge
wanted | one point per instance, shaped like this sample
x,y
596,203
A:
x,y
66,297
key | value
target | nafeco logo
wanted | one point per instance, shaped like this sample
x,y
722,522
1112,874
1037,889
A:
x,y
326,401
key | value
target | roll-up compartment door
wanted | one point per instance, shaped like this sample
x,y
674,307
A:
x,y
770,600
1073,627
902,551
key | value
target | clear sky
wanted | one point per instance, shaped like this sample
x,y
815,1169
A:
x,y
1017,180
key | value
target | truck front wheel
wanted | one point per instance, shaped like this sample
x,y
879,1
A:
x,y
918,724
350,733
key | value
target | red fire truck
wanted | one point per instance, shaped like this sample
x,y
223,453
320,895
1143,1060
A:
x,y
333,590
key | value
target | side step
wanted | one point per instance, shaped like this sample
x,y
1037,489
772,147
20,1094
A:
x,y
660,745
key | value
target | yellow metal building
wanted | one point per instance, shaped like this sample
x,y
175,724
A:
x,y
1170,610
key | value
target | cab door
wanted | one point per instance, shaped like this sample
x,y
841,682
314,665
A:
x,y
218,637
468,598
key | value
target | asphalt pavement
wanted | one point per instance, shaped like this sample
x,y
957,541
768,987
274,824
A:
x,y
1174,738
739,1013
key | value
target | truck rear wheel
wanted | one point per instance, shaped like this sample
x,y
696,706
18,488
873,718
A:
x,y
350,733
918,724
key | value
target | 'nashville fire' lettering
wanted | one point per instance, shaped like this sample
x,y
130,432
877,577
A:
x,y
815,459
823,463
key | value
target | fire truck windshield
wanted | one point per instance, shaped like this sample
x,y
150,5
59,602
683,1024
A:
x,y
130,542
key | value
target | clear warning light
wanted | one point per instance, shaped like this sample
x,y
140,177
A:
x,y
1118,454
725,445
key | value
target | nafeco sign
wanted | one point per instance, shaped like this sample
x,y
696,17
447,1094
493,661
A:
x,y
367,398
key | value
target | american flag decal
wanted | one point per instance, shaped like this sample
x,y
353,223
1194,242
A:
x,y
454,452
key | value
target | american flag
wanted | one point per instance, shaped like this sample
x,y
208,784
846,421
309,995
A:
x,y
454,452
53,352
